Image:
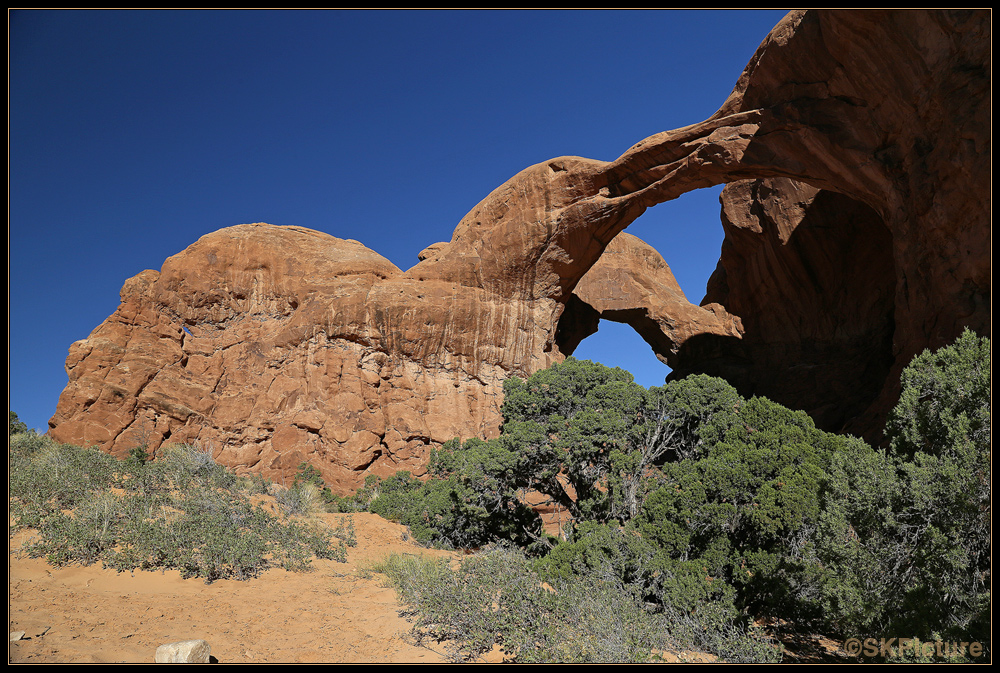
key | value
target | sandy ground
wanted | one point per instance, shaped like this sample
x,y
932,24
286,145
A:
x,y
332,614
335,613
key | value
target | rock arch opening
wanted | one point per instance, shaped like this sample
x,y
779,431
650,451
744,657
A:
x,y
812,276
614,317
414,358
688,234
618,345
800,305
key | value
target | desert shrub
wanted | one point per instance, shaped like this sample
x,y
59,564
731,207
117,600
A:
x,y
180,511
446,512
252,484
687,490
185,465
715,509
944,405
496,597
938,541
326,499
904,537
747,510
362,499
46,477
589,437
139,454
712,629
301,499
83,536
687,493
14,424
345,532
652,574
861,490
586,436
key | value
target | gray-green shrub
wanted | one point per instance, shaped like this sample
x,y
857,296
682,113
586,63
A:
x,y
181,511
496,597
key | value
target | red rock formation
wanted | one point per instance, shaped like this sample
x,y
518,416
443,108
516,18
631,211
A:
x,y
278,345
887,109
894,108
632,284
300,346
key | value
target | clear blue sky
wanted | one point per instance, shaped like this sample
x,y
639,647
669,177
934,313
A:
x,y
133,133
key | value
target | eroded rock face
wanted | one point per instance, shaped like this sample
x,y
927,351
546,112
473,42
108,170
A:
x,y
277,345
864,238
906,94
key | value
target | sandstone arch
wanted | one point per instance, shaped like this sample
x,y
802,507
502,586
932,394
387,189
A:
x,y
889,109
280,344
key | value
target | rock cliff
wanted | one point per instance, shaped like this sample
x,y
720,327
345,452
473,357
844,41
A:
x,y
857,233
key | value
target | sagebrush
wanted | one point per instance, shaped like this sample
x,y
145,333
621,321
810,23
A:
x,y
181,511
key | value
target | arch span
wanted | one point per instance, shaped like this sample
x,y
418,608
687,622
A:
x,y
888,109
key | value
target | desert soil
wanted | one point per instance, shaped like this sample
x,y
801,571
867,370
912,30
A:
x,y
335,613
332,614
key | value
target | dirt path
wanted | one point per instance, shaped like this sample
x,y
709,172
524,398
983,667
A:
x,y
332,614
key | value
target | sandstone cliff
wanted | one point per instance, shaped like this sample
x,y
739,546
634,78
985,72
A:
x,y
857,233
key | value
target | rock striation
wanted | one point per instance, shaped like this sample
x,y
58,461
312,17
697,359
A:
x,y
857,148
278,345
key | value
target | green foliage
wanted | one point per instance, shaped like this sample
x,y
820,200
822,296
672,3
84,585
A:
x,y
944,405
736,526
716,498
139,454
448,512
905,536
696,500
301,499
853,584
308,475
940,537
180,511
184,466
588,437
14,424
252,484
46,477
700,502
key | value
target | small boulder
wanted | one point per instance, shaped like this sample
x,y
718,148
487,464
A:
x,y
184,652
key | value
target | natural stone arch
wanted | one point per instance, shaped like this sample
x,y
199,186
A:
x,y
632,284
889,109
812,275
276,345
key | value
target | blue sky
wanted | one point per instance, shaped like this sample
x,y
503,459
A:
x,y
133,133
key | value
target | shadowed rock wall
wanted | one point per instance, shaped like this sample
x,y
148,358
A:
x,y
812,274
